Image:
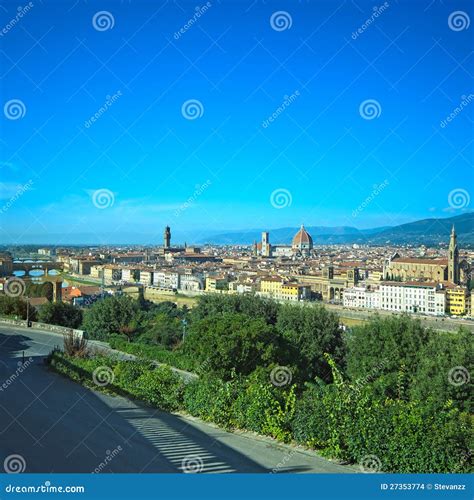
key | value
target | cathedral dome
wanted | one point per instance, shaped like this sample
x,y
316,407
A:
x,y
302,239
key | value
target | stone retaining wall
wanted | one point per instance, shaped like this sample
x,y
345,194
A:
x,y
41,326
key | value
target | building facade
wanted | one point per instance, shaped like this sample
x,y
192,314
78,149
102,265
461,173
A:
x,y
413,297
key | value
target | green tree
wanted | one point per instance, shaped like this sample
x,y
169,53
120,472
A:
x,y
16,306
109,315
311,332
60,313
387,350
225,342
163,330
444,370
250,305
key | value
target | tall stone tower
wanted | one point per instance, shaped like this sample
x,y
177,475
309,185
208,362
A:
x,y
453,258
167,237
266,248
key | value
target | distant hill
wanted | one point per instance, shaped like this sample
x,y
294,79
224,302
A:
x,y
426,231
430,231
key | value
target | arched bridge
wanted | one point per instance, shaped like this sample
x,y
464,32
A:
x,y
27,267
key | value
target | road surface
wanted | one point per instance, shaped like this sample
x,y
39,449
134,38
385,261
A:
x,y
56,425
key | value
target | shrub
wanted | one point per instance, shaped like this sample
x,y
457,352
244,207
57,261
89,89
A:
x,y
109,315
228,342
177,359
158,386
60,313
75,345
128,372
310,425
211,399
264,408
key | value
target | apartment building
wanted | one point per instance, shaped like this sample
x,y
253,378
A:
x,y
458,301
415,297
168,280
364,297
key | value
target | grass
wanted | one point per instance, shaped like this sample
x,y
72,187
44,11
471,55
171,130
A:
x,y
157,353
72,280
353,321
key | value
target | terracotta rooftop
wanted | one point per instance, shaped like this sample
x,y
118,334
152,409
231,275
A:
x,y
302,237
429,262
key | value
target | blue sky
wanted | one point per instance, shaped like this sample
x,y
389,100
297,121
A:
x,y
224,169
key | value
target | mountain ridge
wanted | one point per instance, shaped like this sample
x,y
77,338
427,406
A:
x,y
423,231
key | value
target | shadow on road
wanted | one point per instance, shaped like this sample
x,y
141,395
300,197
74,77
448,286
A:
x,y
57,425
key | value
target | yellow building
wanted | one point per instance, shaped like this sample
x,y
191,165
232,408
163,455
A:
x,y
271,285
278,289
216,283
458,301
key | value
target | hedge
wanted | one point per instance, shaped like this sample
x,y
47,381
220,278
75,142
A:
x,y
155,353
339,420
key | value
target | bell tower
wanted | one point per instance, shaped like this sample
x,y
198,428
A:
x,y
167,237
266,247
453,258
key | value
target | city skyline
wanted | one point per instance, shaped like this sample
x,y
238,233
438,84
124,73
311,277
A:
x,y
239,116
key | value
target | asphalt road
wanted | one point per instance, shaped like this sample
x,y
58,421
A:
x,y
56,425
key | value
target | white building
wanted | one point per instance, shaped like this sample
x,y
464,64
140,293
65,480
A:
x,y
128,274
362,297
190,281
411,297
416,297
146,276
166,279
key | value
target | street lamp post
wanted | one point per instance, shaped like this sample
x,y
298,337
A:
x,y
28,325
184,323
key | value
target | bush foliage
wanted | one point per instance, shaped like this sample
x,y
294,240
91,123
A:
x,y
340,419
383,389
